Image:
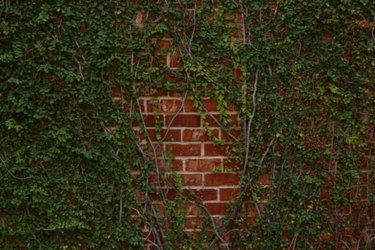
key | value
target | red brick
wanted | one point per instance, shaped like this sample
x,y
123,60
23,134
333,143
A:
x,y
212,123
202,164
264,180
221,179
170,106
216,208
236,133
173,135
173,165
251,209
183,120
164,106
184,149
189,106
174,61
250,220
203,194
193,210
213,150
237,74
171,78
231,165
192,179
162,45
228,194
116,91
159,208
150,120
211,105
198,134
150,150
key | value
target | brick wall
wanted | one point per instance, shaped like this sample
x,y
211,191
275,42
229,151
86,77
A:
x,y
175,126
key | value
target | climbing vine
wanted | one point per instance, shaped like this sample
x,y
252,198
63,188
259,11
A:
x,y
74,174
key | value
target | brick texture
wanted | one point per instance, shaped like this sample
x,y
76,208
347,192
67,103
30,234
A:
x,y
174,124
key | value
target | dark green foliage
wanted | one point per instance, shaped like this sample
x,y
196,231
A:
x,y
67,150
64,174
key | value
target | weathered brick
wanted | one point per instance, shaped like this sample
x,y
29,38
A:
x,y
198,134
170,165
202,164
184,149
221,179
192,179
193,210
164,106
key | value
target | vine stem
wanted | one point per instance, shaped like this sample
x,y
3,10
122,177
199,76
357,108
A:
x,y
249,124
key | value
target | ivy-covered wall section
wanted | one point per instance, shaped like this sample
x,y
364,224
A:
x,y
80,170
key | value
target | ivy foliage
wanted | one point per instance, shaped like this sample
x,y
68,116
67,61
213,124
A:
x,y
301,74
64,173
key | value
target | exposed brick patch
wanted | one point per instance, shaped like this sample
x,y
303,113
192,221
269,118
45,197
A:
x,y
176,127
